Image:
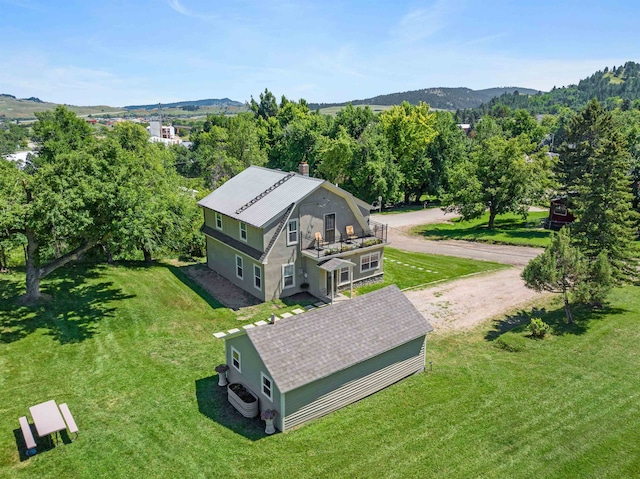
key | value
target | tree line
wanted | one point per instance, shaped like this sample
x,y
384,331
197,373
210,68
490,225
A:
x,y
116,191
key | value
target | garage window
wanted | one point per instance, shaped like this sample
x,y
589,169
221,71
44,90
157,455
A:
x,y
267,386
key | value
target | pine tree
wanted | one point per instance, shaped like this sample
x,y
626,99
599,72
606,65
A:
x,y
595,165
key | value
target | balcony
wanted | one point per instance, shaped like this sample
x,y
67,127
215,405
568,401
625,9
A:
x,y
342,243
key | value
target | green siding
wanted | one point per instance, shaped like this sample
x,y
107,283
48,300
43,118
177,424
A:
x,y
231,227
352,384
250,377
222,259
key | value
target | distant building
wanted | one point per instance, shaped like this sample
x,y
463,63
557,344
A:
x,y
19,157
163,133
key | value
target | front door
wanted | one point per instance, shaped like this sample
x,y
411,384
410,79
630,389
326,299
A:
x,y
329,283
330,228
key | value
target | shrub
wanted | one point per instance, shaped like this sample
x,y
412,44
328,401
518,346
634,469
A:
x,y
538,328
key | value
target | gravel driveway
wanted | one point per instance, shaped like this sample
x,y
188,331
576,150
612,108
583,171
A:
x,y
463,303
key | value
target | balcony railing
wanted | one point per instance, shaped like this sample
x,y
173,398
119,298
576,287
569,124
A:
x,y
342,242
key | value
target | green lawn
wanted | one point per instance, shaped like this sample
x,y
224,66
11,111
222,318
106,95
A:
x,y
130,350
398,269
509,229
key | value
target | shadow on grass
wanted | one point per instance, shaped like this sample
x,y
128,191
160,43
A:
x,y
505,229
43,444
213,403
582,315
79,300
179,272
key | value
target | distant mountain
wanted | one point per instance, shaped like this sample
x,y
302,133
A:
x,y
618,86
441,98
194,103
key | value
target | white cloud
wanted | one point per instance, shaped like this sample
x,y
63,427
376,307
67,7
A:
x,y
421,23
182,10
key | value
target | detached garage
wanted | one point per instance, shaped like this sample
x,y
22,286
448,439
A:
x,y
309,365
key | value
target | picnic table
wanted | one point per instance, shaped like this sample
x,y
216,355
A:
x,y
47,418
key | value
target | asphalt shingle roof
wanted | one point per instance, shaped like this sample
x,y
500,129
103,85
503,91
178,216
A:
x,y
240,190
304,348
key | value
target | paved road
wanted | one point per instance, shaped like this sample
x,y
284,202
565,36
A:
x,y
400,223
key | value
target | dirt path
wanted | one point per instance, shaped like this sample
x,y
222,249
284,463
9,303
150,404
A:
x,y
467,302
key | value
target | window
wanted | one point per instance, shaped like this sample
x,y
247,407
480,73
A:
x,y
243,231
292,232
267,386
236,359
369,262
344,275
257,277
239,267
288,280
218,221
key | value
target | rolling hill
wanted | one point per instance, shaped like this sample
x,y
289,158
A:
x,y
25,108
222,102
440,98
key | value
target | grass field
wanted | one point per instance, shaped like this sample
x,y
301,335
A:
x,y
403,269
130,350
509,229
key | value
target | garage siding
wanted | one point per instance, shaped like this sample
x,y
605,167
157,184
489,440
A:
x,y
352,384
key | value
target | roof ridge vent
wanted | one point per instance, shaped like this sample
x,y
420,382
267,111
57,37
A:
x,y
264,193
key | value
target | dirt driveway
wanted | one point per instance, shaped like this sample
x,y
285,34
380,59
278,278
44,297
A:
x,y
467,302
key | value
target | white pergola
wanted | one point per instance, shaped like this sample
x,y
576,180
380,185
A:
x,y
336,264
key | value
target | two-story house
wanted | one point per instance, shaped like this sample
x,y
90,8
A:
x,y
274,234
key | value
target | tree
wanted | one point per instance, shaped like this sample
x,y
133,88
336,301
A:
x,y
267,107
498,176
243,141
444,153
336,158
152,210
409,129
595,165
80,191
560,269
11,208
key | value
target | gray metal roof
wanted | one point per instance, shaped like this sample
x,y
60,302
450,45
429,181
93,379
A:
x,y
305,348
233,198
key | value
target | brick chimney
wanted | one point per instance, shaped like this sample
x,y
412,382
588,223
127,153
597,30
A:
x,y
303,168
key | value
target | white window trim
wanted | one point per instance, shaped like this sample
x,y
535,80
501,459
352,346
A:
x,y
362,269
239,367
241,267
246,234
293,276
263,376
259,275
294,220
218,218
340,282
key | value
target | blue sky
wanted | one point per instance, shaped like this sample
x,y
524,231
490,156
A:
x,y
120,52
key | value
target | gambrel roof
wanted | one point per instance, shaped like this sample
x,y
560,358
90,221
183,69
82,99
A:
x,y
308,347
258,195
